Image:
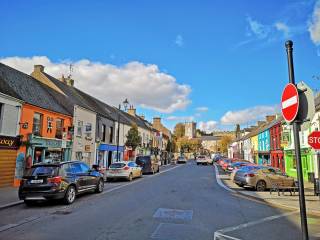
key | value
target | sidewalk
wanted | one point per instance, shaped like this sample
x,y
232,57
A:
x,y
9,197
282,201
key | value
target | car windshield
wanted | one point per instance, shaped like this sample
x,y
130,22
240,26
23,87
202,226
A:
x,y
142,159
42,171
117,165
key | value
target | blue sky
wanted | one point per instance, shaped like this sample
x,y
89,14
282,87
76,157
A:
x,y
215,62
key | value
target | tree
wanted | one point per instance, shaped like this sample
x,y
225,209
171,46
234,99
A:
x,y
225,142
188,145
179,130
133,137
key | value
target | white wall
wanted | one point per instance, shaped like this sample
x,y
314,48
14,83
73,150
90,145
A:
x,y
81,142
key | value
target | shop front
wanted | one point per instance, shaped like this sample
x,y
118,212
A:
x,y
48,149
107,154
277,160
264,158
306,160
8,155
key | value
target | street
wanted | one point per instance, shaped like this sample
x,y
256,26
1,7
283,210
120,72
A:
x,y
182,202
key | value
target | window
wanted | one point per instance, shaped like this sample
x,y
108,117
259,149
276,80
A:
x,y
37,124
76,168
103,132
65,170
88,130
79,128
111,135
59,128
84,167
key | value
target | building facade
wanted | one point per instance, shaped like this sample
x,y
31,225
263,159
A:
x,y
264,147
190,129
276,151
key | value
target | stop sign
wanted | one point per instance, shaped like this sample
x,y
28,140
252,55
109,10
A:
x,y
314,140
290,102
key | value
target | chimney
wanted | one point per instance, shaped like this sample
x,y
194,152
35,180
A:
x,y
67,80
157,120
38,68
132,111
270,118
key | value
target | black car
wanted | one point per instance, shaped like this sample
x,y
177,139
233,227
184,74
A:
x,y
149,164
59,181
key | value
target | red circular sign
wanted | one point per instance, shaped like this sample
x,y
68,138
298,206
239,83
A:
x,y
290,102
314,140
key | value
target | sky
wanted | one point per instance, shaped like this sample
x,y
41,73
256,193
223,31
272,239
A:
x,y
215,62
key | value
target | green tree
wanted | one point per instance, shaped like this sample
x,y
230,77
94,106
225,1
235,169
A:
x,y
133,137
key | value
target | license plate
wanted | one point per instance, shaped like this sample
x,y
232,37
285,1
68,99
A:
x,y
37,181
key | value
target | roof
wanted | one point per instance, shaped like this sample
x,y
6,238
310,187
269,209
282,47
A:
x,y
24,87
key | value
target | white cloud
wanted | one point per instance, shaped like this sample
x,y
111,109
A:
x,y
179,41
256,28
181,118
202,109
282,27
208,127
143,84
247,115
314,25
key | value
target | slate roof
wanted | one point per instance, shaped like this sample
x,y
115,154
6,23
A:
x,y
24,87
210,138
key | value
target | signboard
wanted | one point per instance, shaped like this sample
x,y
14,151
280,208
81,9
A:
x,y
285,138
7,142
290,102
87,148
314,140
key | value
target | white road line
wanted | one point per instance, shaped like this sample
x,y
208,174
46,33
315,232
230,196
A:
x,y
256,222
289,102
154,234
138,180
220,182
219,236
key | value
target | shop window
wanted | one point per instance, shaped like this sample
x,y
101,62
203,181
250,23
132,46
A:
x,y
79,128
111,135
37,124
59,128
103,132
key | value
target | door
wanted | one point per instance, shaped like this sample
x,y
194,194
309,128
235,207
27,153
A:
x,y
89,177
80,177
109,158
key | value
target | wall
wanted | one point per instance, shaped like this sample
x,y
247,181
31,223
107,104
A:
x,y
83,144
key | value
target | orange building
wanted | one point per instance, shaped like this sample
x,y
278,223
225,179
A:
x,y
45,134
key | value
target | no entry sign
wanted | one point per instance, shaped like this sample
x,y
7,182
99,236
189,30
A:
x,y
314,140
290,102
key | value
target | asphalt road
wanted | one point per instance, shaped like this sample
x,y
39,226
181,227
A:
x,y
183,202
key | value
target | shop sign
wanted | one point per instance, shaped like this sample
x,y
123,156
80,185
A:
x,y
285,138
7,142
87,148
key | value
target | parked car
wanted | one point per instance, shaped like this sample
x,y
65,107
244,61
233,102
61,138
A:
x,y
236,165
127,170
59,181
240,165
181,159
149,164
262,178
202,159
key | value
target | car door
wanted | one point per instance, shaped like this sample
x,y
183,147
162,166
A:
x,y
133,168
89,177
78,176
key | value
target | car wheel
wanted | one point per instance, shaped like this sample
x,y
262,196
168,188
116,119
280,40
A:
x,y
130,177
100,186
261,186
70,195
158,169
240,185
197,163
140,173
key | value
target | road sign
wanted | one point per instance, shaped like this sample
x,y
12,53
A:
x,y
306,105
290,102
314,140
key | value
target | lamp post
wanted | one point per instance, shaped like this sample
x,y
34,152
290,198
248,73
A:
x,y
125,105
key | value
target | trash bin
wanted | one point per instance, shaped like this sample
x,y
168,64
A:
x,y
311,177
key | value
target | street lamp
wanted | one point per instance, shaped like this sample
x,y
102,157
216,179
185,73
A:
x,y
125,105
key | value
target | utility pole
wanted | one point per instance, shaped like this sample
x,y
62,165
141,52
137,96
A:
x,y
296,128
118,133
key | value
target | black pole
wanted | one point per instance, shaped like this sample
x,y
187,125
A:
x,y
118,133
296,129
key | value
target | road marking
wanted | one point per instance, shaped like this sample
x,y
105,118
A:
x,y
250,224
155,233
185,215
218,178
138,180
289,102
219,236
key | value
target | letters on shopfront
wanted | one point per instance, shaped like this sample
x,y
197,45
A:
x,y
7,142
